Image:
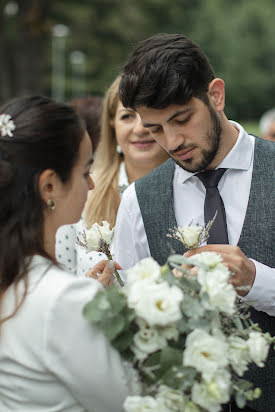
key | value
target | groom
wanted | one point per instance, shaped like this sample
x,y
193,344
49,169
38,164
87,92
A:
x,y
214,165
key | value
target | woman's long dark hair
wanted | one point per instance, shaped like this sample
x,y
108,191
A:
x,y
47,135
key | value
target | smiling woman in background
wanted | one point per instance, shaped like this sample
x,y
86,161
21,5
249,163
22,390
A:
x,y
126,152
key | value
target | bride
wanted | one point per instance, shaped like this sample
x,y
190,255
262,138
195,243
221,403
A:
x,y
51,358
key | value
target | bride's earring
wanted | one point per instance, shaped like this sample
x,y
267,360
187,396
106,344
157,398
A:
x,y
118,149
51,204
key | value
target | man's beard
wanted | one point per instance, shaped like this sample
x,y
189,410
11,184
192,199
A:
x,y
208,155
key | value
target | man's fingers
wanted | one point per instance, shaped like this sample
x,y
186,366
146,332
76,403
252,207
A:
x,y
226,249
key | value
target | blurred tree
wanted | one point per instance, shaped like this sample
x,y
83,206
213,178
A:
x,y
24,33
237,36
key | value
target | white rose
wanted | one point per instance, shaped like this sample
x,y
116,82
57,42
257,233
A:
x,y
222,295
258,348
210,395
206,353
146,269
141,404
171,399
156,303
97,233
238,354
147,340
190,235
209,259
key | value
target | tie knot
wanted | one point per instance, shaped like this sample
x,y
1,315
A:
x,y
211,178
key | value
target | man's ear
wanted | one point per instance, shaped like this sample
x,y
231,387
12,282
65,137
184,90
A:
x,y
217,93
48,184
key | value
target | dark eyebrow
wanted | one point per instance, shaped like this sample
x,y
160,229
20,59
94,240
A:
x,y
178,113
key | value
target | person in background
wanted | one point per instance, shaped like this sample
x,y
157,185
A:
x,y
51,358
267,125
125,153
89,109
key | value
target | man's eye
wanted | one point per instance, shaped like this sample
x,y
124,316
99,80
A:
x,y
185,120
156,130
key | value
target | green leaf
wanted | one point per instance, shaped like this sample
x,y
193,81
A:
x,y
128,315
191,284
117,299
181,378
112,327
192,306
123,341
200,323
98,308
153,360
170,356
240,400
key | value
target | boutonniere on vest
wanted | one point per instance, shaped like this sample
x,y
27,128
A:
x,y
98,239
192,236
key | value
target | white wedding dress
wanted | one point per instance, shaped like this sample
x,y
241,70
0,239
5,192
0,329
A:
x,y
51,358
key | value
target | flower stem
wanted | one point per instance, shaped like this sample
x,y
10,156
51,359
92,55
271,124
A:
x,y
117,275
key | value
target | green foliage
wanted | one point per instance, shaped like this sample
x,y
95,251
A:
x,y
108,311
238,36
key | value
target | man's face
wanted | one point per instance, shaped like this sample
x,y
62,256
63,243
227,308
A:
x,y
190,133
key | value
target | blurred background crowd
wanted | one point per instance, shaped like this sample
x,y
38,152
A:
x,y
68,49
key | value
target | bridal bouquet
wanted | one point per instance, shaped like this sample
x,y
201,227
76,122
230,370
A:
x,y
189,341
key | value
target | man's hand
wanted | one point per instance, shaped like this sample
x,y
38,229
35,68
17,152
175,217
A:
x,y
243,269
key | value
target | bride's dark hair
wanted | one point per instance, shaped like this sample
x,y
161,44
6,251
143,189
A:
x,y
47,135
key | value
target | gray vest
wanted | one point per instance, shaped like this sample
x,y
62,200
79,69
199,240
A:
x,y
155,197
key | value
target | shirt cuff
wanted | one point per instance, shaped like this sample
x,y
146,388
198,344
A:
x,y
262,294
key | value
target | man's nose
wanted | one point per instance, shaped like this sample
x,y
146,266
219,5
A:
x,y
174,138
139,129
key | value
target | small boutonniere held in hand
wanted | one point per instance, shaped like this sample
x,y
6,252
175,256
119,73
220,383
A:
x,y
192,236
98,239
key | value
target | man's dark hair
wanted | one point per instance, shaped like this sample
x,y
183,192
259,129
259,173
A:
x,y
165,69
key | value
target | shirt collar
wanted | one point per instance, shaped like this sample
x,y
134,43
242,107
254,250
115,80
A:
x,y
239,157
123,182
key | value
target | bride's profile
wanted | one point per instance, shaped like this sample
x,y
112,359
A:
x,y
51,358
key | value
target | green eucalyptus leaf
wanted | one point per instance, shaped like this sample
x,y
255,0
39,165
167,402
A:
x,y
123,341
98,308
170,356
153,360
192,306
189,283
240,400
117,300
178,260
200,323
112,327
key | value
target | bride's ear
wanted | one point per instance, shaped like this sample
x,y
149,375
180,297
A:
x,y
49,185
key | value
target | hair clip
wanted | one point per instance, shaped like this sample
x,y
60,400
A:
x,y
6,125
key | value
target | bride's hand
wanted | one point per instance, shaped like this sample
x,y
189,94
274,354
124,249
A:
x,y
103,272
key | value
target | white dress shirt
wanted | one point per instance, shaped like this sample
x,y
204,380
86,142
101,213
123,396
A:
x,y
130,241
51,358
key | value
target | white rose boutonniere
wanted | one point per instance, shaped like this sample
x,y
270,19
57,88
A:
x,y
192,236
98,239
